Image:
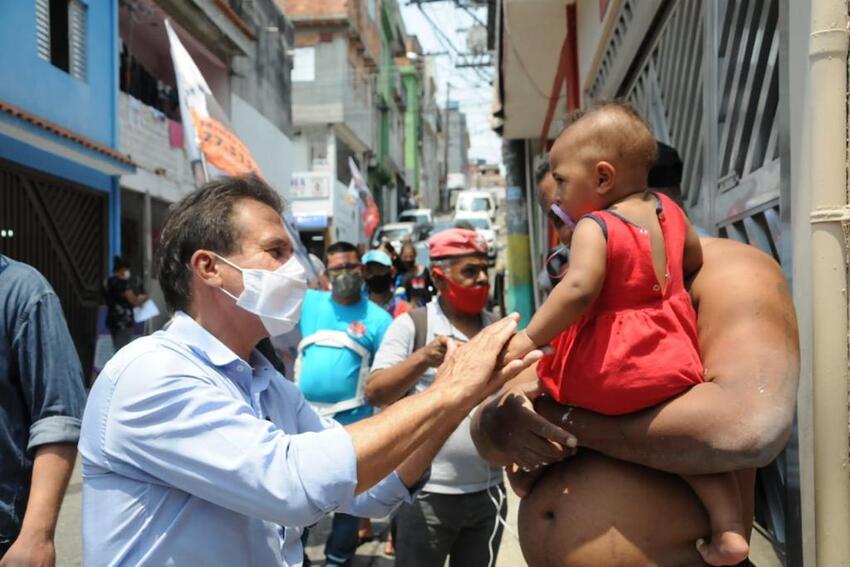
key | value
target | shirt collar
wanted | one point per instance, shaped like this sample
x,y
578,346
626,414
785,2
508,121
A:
x,y
187,331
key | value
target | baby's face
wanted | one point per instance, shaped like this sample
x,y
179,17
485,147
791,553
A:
x,y
576,180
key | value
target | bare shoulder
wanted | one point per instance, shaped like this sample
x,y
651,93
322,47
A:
x,y
734,274
723,253
744,306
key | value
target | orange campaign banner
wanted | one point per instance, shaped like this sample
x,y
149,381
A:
x,y
221,148
213,148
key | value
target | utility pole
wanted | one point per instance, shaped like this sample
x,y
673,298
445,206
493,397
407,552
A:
x,y
445,196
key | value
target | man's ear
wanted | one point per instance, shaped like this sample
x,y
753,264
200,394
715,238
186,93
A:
x,y
205,267
605,175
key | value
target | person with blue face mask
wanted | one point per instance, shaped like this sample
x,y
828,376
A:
x,y
195,451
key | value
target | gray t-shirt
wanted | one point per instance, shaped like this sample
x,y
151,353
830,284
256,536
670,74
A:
x,y
457,468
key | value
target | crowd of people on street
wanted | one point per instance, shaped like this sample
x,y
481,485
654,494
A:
x,y
365,385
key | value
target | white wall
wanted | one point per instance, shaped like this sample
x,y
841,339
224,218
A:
x,y
346,220
162,171
590,30
272,149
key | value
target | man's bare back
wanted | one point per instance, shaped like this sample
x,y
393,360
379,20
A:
x,y
604,510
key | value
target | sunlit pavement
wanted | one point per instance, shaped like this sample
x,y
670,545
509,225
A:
x,y
69,545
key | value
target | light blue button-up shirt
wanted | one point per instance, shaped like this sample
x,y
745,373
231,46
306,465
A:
x,y
191,456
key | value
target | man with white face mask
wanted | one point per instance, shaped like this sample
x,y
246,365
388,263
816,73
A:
x,y
196,452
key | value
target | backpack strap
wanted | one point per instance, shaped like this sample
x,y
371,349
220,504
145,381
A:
x,y
420,327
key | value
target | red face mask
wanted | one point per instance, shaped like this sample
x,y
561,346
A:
x,y
469,300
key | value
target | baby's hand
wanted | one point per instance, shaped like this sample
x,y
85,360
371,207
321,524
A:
x,y
517,347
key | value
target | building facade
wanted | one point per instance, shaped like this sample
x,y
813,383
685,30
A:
x,y
409,67
431,174
241,50
457,153
60,162
335,75
388,174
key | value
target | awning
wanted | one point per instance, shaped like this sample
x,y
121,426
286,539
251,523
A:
x,y
311,214
534,33
46,135
311,222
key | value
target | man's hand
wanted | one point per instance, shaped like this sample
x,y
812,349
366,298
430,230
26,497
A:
x,y
406,435
30,551
434,353
515,432
471,369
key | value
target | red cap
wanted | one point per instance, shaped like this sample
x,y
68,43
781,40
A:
x,y
456,242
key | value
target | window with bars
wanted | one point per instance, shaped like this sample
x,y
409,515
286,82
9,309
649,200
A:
x,y
61,35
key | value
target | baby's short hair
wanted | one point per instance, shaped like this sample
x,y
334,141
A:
x,y
616,127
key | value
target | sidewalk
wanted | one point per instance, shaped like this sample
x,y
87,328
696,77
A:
x,y
69,545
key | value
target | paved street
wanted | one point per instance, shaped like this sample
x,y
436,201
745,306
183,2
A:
x,y
69,547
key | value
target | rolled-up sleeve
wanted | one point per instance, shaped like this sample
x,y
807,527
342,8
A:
x,y
190,434
381,499
50,373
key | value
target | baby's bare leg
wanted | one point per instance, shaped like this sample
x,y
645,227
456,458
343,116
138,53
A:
x,y
721,497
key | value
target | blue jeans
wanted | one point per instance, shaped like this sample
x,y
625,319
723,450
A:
x,y
342,541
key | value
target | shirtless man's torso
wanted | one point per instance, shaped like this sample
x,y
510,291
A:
x,y
611,504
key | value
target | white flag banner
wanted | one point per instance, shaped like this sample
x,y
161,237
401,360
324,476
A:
x,y
209,138
211,143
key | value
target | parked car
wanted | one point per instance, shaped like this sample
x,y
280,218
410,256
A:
x,y
418,216
394,233
475,202
483,225
440,226
422,232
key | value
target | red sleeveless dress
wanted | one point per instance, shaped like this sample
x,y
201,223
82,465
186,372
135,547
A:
x,y
637,344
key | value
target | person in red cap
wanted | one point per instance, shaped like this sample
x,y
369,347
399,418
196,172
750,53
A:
x,y
457,514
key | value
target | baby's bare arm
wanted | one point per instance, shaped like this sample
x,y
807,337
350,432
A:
x,y
579,288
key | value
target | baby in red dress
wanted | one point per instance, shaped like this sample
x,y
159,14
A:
x,y
621,321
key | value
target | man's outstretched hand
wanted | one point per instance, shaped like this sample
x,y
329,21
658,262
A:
x,y
472,371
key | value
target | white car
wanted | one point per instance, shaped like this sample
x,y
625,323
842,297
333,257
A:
x,y
472,202
484,226
393,233
418,216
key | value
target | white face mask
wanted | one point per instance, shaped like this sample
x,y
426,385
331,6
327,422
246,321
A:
x,y
274,296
